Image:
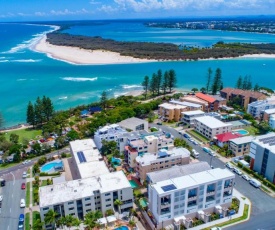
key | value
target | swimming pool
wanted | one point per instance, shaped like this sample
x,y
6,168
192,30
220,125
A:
x,y
122,228
52,166
143,202
133,184
116,161
243,132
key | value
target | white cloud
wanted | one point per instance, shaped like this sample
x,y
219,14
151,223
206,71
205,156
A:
x,y
40,14
68,12
94,2
107,9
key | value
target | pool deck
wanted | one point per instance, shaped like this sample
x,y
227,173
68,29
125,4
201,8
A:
x,y
130,177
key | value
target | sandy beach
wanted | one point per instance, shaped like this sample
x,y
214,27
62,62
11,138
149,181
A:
x,y
259,56
81,56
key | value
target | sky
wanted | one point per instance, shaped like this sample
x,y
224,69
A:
x,y
50,10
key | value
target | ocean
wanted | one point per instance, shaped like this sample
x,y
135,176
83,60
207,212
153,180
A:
x,y
26,74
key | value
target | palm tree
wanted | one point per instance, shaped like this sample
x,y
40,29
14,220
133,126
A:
x,y
69,220
132,223
90,219
50,217
76,222
118,203
37,225
62,221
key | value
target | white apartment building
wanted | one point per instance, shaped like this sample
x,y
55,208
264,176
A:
x,y
189,116
176,201
79,197
255,108
108,133
147,144
87,159
210,127
134,124
162,160
271,121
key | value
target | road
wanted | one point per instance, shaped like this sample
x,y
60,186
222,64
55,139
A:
x,y
263,206
12,194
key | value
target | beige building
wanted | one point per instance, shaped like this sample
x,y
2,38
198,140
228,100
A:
x,y
171,112
148,144
265,115
210,126
194,99
240,146
162,160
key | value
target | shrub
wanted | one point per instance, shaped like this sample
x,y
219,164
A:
x,y
63,155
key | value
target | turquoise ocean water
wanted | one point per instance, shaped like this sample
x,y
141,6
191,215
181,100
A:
x,y
26,74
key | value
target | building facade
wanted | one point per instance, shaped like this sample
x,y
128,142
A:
x,y
178,200
189,116
162,160
240,146
78,197
265,115
262,152
210,126
256,108
171,112
134,124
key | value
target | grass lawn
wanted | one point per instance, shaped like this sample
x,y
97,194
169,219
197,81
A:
x,y
27,221
44,183
198,135
35,216
25,134
28,193
8,165
243,217
252,130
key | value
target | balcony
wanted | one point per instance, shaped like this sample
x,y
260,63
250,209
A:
x,y
192,198
210,193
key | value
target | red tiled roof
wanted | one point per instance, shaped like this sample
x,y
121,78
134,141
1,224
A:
x,y
205,97
224,137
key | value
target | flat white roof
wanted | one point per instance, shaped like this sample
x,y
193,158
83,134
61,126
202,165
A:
x,y
242,140
149,158
132,121
269,111
212,122
193,180
172,106
185,103
195,112
78,189
93,165
266,141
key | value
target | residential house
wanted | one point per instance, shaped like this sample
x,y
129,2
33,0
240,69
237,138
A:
x,y
240,146
224,138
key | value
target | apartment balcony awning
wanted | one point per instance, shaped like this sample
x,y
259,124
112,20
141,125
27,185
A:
x,y
102,221
179,219
111,219
201,212
218,207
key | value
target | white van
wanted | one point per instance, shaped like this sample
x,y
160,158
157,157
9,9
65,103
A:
x,y
255,183
195,154
22,203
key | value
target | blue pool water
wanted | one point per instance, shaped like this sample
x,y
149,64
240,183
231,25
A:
x,y
122,228
50,167
116,161
242,131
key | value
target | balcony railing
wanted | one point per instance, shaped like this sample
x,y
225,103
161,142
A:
x,y
192,198
210,193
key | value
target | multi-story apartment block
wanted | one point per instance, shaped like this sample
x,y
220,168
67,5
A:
x,y
256,108
162,160
189,116
265,115
262,152
179,200
87,159
243,97
171,112
195,100
271,121
191,106
210,126
241,145
78,197
147,144
213,103
108,133
134,124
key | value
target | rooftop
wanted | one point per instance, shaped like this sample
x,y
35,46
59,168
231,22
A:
x,y
242,140
205,97
245,93
269,111
191,113
162,155
225,137
212,122
172,106
177,171
266,141
194,100
192,180
113,129
78,189
133,121
185,103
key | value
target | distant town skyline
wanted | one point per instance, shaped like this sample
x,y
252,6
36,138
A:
x,y
33,10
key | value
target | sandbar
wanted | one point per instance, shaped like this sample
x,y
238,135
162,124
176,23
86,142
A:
x,y
76,55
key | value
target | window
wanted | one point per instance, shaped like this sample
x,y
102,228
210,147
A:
x,y
71,202
108,205
107,194
89,204
87,198
192,192
45,209
108,200
88,210
72,208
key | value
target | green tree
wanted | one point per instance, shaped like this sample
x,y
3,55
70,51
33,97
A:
x,y
249,83
108,147
203,90
194,90
37,225
118,203
159,81
104,99
132,223
69,220
172,81
264,127
50,218
72,135
14,138
217,82
165,81
48,108
76,222
256,87
30,114
90,219
151,117
145,84
154,84
208,79
239,83
38,111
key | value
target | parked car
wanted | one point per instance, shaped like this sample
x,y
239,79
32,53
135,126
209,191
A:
x,y
237,171
20,225
195,154
195,142
244,176
228,165
255,183
22,203
186,135
23,186
1,198
216,228
205,149
24,175
211,153
21,217
159,123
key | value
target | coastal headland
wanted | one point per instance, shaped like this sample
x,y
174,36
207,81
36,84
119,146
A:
x,y
96,50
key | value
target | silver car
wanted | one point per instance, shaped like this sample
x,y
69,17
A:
x,y
244,176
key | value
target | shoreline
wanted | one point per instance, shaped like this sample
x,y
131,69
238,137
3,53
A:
x,y
78,56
